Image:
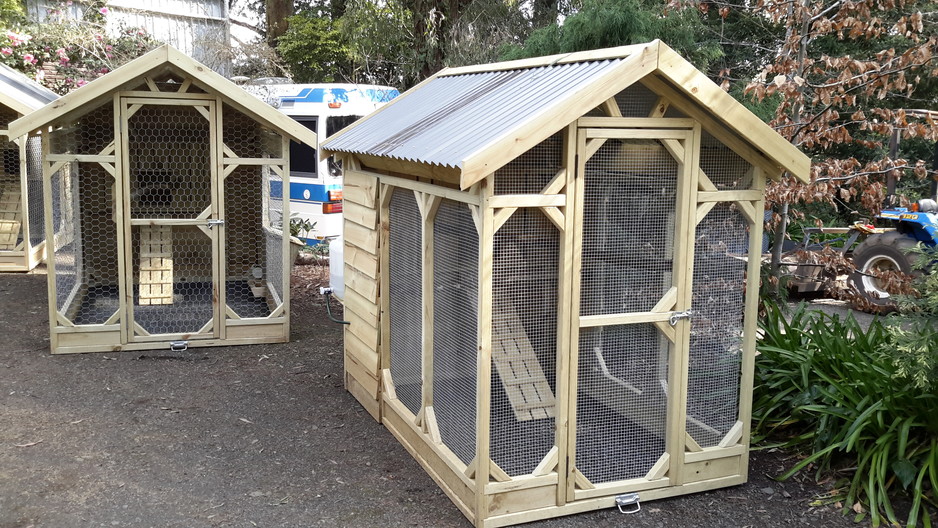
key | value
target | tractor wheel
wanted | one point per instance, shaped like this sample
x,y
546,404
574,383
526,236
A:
x,y
885,252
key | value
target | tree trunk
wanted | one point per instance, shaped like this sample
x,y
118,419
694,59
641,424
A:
x,y
277,13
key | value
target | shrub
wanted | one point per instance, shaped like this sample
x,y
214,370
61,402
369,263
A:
x,y
912,334
826,386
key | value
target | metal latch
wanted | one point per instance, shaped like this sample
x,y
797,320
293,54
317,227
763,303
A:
x,y
178,346
212,222
677,316
627,501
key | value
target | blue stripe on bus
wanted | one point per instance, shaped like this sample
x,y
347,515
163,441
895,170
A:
x,y
318,192
318,95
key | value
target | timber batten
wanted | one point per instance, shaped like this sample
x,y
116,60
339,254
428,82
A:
x,y
589,288
163,187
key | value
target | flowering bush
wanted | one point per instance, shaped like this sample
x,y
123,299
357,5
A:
x,y
71,47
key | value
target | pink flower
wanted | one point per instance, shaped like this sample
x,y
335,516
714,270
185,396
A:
x,y
108,47
104,10
61,52
99,37
6,51
29,59
63,60
81,82
16,39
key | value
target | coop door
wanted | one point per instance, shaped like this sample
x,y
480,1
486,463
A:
x,y
632,211
171,243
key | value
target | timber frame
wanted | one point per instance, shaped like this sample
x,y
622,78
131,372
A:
x,y
138,255
689,115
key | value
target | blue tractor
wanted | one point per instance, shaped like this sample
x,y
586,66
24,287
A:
x,y
889,251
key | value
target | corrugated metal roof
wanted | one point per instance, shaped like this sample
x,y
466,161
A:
x,y
22,92
449,118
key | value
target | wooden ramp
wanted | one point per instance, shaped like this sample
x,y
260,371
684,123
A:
x,y
520,371
11,215
156,265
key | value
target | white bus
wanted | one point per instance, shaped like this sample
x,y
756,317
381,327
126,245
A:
x,y
316,186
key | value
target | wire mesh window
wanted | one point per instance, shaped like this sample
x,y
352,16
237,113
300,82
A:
x,y
636,101
628,227
455,318
621,408
34,195
405,297
66,243
170,162
11,206
273,187
524,341
725,168
717,326
530,172
89,134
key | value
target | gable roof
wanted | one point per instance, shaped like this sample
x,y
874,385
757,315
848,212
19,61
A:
x,y
478,118
164,59
21,93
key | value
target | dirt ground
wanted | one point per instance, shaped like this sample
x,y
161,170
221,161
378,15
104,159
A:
x,y
253,436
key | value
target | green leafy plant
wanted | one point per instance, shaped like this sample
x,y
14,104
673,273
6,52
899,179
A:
x,y
300,227
825,385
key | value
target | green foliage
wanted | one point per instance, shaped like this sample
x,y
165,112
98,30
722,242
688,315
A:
x,y
64,53
912,334
608,23
300,227
11,11
825,385
314,48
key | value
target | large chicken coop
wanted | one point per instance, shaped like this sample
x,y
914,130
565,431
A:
x,y
22,235
164,210
551,278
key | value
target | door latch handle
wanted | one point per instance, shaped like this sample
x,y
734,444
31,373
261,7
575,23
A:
x,y
677,316
212,222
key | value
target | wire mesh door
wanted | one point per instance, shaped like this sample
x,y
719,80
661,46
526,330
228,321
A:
x,y
631,202
172,227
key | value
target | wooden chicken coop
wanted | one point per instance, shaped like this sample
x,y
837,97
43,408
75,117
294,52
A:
x,y
164,210
551,278
22,238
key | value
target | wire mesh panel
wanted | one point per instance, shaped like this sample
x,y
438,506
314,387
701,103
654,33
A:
x,y
622,395
524,341
530,172
91,133
34,195
170,162
725,168
66,247
11,207
717,325
455,338
405,297
636,101
173,287
628,227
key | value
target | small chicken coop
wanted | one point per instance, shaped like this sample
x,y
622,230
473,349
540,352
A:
x,y
164,208
551,278
22,235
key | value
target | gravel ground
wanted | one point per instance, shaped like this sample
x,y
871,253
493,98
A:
x,y
251,436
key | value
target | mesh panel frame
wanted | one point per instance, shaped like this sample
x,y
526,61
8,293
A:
x,y
455,328
716,336
628,228
405,297
525,274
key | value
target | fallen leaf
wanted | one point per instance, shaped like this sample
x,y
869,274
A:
x,y
245,420
29,444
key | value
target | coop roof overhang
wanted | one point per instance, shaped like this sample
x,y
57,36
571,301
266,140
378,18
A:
x,y
165,59
21,93
476,119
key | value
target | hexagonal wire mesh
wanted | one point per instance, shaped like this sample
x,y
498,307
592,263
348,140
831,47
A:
x,y
524,341
34,195
169,167
11,208
405,297
455,325
253,219
628,252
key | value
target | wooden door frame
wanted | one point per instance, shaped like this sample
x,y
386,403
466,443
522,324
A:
x,y
682,142
125,107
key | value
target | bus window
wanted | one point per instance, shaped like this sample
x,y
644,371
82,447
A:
x,y
333,125
303,159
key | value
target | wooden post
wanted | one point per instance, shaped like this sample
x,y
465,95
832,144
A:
x,y
484,367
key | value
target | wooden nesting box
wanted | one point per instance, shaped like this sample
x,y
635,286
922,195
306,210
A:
x,y
22,236
552,278
163,187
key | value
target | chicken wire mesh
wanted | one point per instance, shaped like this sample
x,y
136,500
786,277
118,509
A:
x,y
716,336
530,172
89,134
11,208
405,296
621,408
455,326
35,200
725,168
636,101
524,341
628,227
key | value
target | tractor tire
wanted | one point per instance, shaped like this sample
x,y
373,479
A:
x,y
885,252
